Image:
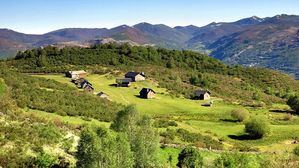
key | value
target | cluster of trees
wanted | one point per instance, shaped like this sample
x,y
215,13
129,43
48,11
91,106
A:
x,y
293,102
50,96
130,142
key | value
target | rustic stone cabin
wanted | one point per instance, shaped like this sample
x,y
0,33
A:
x,y
88,88
147,93
202,94
103,95
84,83
76,74
123,82
135,76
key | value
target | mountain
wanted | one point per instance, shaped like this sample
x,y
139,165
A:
x,y
270,42
273,43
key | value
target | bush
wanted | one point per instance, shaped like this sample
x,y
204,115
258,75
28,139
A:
x,y
234,160
256,128
190,157
293,102
240,114
287,117
296,150
164,123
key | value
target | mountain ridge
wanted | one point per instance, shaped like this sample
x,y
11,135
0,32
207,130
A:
x,y
226,41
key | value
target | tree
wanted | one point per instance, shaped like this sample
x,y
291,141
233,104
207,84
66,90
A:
x,y
98,147
145,144
190,158
170,64
240,114
143,138
293,102
256,128
87,149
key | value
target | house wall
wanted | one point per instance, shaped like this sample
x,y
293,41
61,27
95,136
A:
x,y
139,78
150,95
206,96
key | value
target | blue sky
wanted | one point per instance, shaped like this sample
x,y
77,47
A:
x,y
40,16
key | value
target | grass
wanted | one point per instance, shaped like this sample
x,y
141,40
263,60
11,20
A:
x,y
2,87
66,119
190,115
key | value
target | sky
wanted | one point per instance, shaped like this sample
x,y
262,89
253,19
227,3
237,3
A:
x,y
41,16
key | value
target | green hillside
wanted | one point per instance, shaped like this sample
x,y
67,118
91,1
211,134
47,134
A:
x,y
181,72
50,122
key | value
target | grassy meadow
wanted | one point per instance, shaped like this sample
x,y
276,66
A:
x,y
190,115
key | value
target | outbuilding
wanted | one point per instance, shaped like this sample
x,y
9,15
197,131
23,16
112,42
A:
x,y
135,76
147,93
123,82
202,94
76,74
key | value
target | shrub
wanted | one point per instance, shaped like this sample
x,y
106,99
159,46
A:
x,y
45,160
240,114
164,123
190,157
296,150
234,160
293,102
287,117
256,128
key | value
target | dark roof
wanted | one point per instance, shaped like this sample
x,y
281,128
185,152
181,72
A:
x,y
123,80
88,85
146,91
201,92
101,93
133,74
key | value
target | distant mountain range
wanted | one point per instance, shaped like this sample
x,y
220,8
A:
x,y
271,42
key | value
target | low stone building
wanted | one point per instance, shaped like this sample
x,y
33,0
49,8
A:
x,y
135,76
123,82
147,93
76,74
202,94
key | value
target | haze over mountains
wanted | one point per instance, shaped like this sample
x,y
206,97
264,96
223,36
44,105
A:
x,y
268,42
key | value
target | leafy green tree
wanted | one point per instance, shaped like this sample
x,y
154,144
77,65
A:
x,y
293,102
98,147
143,138
190,158
257,128
145,144
87,151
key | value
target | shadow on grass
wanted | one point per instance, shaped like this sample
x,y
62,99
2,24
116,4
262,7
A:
x,y
138,96
229,120
242,137
114,84
281,111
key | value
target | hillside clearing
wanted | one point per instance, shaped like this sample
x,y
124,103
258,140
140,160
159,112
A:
x,y
190,115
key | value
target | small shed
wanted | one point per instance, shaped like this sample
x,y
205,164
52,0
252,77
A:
x,y
123,82
202,94
103,95
147,93
76,74
88,88
83,84
135,76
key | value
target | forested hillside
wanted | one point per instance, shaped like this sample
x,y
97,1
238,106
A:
x,y
179,71
47,122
